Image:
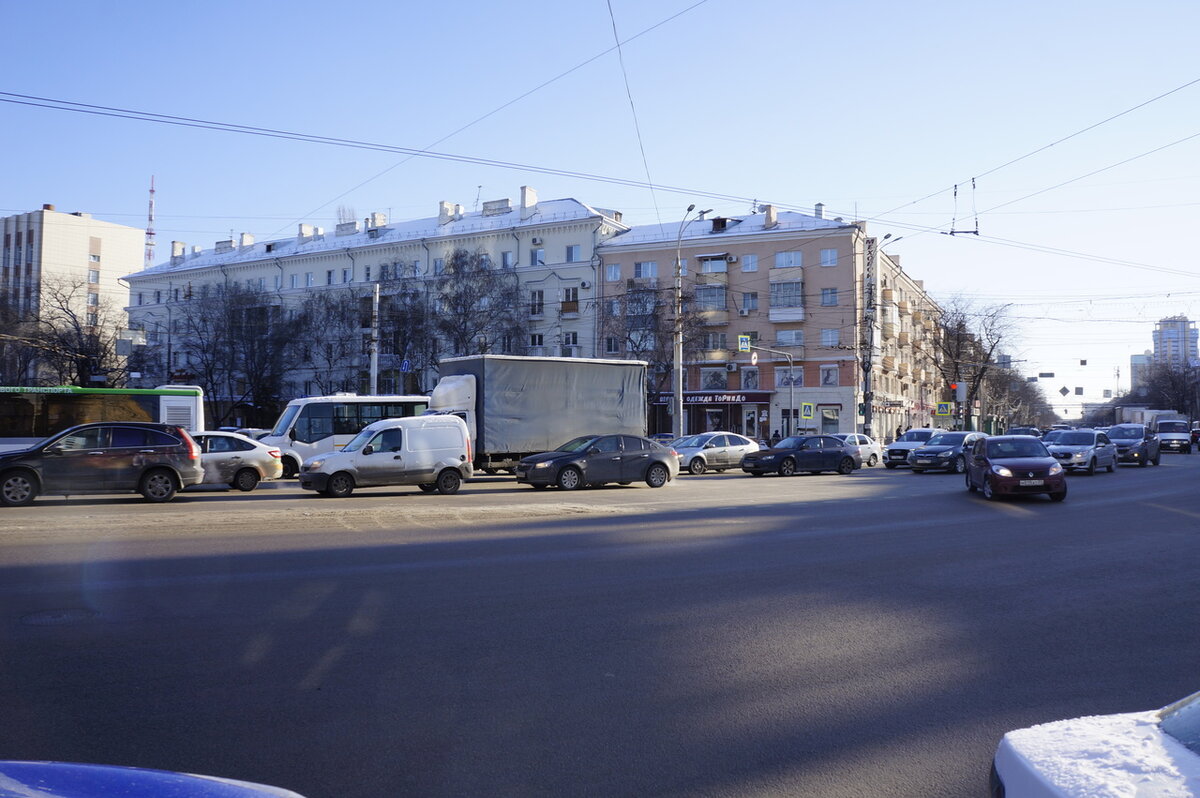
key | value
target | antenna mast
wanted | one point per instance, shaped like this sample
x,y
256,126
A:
x,y
150,228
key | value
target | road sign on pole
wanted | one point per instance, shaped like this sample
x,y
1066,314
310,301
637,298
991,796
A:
x,y
807,410
743,343
944,409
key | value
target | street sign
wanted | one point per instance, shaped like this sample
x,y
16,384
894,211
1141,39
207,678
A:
x,y
944,409
743,343
405,365
1064,390
807,410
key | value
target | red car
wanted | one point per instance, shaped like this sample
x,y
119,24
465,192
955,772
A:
x,y
1007,465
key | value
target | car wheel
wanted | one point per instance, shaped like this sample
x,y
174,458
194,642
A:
x,y
988,492
1091,469
449,481
970,484
697,466
872,461
291,469
158,485
538,485
245,480
1145,461
570,478
1057,497
657,475
1158,459
787,468
846,466
1112,465
960,465
340,485
430,487
18,488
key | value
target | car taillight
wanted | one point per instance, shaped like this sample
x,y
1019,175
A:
x,y
674,453
276,454
193,448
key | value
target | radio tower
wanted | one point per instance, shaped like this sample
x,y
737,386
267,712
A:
x,y
150,228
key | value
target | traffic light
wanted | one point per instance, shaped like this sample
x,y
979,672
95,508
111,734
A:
x,y
959,389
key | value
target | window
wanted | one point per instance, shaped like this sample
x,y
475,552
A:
x,y
787,294
139,297
830,337
329,277
749,378
612,345
439,265
612,272
570,339
786,376
570,303
829,257
294,281
613,307
710,297
157,297
506,259
828,297
506,344
645,268
278,282
174,294
784,260
714,340
536,339
367,273
94,258
789,337
829,376
537,304
573,251
749,263
485,261
93,319
752,335
537,257
416,268
683,265
93,276
714,379
308,279
750,300
345,275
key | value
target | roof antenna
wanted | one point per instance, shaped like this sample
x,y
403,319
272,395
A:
x,y
478,194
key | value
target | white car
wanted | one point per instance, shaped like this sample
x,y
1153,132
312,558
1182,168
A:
x,y
867,447
237,461
897,450
712,451
1153,753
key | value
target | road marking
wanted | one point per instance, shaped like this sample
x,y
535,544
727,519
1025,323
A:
x,y
1188,513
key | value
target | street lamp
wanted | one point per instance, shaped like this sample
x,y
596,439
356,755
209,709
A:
x,y
677,376
868,338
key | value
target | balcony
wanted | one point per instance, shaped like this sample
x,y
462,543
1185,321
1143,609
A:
x,y
888,330
713,317
887,363
711,278
887,296
785,314
905,306
904,339
570,309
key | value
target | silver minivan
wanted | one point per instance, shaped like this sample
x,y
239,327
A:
x,y
431,452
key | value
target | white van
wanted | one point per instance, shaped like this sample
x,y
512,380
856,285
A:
x,y
432,452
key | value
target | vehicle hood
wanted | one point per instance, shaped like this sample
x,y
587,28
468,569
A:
x,y
768,452
1125,441
10,454
906,445
1069,447
1016,464
937,449
548,456
1124,754
70,780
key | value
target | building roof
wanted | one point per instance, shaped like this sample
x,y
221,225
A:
x,y
697,230
472,223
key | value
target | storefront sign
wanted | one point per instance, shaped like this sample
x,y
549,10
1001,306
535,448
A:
x,y
717,398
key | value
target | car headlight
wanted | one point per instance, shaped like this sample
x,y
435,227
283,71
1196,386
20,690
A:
x,y
313,465
541,465
768,457
1000,470
1055,469
945,455
1080,455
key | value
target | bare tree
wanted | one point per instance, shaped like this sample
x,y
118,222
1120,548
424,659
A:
x,y
406,334
969,341
332,355
478,307
76,336
1173,387
18,341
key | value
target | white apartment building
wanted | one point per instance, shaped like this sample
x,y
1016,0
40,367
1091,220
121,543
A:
x,y
1175,342
72,252
550,245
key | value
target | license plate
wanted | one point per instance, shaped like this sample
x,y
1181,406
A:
x,y
924,462
1027,483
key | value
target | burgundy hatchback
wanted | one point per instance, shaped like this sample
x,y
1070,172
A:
x,y
1006,465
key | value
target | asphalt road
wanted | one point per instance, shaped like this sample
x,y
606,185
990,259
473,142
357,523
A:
x,y
726,635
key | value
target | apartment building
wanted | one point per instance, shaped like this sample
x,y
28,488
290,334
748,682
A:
x,y
814,296
549,244
1175,342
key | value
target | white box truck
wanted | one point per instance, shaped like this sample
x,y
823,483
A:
x,y
518,406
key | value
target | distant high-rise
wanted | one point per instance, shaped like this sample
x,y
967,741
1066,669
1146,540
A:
x,y
1139,370
1175,342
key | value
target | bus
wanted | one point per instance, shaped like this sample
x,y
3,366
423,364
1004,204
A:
x,y
318,424
27,414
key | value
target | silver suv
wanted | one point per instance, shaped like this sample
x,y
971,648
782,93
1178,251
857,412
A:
x,y
1084,450
1136,443
155,460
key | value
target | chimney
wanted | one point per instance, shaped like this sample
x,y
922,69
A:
x,y
529,202
458,212
304,233
377,220
177,250
225,246
195,252
445,212
246,240
770,217
346,229
819,211
47,207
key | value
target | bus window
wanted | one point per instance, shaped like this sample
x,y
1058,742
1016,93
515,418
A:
x,y
407,409
314,423
346,419
369,414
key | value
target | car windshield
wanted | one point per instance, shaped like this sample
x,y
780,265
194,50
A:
x,y
948,439
285,421
1126,431
1016,447
1181,720
359,441
917,435
692,442
1173,426
1052,436
576,444
791,443
1075,439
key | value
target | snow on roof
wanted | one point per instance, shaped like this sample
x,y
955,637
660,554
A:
x,y
473,223
697,229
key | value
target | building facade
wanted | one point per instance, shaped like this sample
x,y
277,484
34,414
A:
x,y
1175,343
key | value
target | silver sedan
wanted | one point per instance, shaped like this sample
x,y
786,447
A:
x,y
712,451
237,461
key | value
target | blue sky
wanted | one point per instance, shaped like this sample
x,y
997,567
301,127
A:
x,y
867,108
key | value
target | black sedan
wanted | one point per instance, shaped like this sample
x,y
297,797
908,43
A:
x,y
599,459
811,453
946,451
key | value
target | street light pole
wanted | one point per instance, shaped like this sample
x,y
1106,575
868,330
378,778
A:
x,y
677,338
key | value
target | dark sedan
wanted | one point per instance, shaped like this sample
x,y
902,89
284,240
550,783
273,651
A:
x,y
811,453
599,459
1008,465
946,451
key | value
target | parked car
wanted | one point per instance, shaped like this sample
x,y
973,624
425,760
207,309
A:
x,y
712,451
664,438
1136,443
156,460
1006,465
1154,753
811,453
897,450
1084,450
869,451
431,452
237,461
600,459
946,451
1034,431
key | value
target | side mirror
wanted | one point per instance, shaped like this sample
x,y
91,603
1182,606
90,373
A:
x,y
710,446
593,450
292,434
54,449
368,450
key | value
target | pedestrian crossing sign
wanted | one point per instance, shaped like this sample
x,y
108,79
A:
x,y
743,343
944,409
807,410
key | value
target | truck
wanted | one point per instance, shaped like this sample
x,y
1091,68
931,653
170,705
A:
x,y
516,406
